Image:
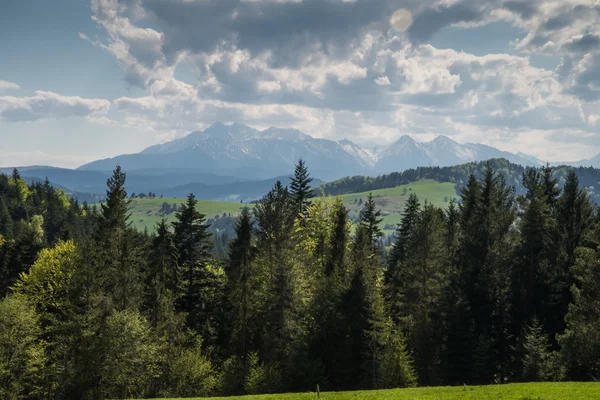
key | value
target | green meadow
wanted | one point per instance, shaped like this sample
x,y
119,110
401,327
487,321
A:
x,y
145,213
517,391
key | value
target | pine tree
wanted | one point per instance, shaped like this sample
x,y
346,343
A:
x,y
119,273
537,268
551,189
370,219
575,215
300,189
336,261
403,234
364,315
115,210
193,242
6,223
275,222
239,284
163,278
580,342
417,287
539,363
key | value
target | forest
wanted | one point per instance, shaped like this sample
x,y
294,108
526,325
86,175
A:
x,y
589,177
501,286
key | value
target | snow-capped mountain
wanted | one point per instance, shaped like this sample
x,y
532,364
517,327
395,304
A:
x,y
247,152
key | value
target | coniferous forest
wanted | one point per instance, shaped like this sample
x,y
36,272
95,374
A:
x,y
498,287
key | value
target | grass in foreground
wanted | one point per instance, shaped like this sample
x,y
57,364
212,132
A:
x,y
517,391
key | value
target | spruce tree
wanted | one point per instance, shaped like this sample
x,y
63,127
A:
x,y
403,234
537,268
336,260
275,223
6,223
300,189
575,216
119,272
370,218
163,278
580,342
539,363
193,242
242,252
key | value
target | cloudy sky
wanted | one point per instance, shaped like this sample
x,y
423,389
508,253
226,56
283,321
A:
x,y
85,80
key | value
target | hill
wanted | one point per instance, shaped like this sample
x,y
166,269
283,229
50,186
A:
x,y
145,213
589,177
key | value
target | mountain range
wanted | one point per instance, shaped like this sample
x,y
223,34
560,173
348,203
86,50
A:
x,y
236,162
241,151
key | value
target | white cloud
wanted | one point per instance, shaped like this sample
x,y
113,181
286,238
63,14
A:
x,y
49,105
6,85
370,82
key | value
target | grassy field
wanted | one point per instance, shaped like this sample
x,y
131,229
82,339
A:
x,y
392,201
145,213
524,391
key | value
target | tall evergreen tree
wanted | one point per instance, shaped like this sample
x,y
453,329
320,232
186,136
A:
x,y
300,189
370,218
275,219
193,242
163,278
242,252
336,260
119,270
404,232
580,342
536,275
418,287
6,223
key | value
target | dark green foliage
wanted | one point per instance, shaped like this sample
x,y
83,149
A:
x,y
581,339
370,219
200,280
493,289
300,189
539,362
403,234
242,252
164,277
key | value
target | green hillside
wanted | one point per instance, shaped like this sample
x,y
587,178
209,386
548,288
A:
x,y
519,391
391,201
145,213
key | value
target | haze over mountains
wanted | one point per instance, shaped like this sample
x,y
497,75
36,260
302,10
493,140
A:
x,y
241,151
236,162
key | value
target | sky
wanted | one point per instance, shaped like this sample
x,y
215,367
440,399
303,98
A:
x,y
84,80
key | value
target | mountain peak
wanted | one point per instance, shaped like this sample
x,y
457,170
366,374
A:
x,y
444,139
216,125
228,149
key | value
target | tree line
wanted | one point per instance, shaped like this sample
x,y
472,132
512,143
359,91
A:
x,y
496,288
589,177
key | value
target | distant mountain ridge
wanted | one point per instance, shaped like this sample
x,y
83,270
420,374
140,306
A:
x,y
242,151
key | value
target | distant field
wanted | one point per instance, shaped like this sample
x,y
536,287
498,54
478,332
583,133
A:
x,y
521,391
392,201
145,213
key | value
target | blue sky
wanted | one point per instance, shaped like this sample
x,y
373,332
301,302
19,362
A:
x,y
86,80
